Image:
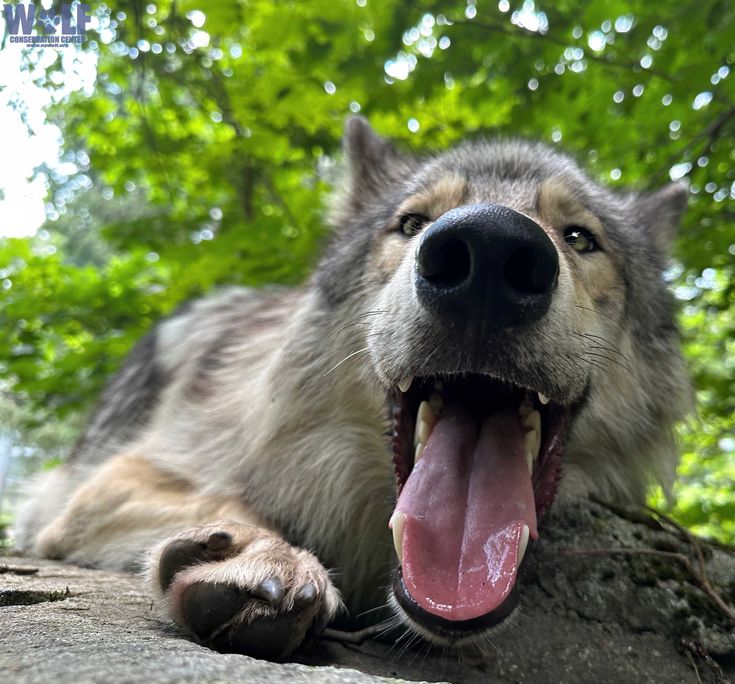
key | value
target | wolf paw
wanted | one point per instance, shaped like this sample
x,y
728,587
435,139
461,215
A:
x,y
260,598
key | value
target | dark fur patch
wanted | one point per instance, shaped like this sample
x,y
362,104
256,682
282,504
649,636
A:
x,y
125,405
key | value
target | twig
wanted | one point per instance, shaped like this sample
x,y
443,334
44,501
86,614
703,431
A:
x,y
710,134
700,580
519,31
632,515
694,648
638,516
14,569
694,665
359,637
670,555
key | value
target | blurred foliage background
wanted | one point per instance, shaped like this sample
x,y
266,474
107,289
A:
x,y
202,149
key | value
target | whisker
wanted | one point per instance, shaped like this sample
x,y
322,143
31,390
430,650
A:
x,y
358,319
599,313
346,358
408,645
597,364
602,347
597,337
608,344
417,652
405,633
388,626
607,358
377,333
575,361
372,610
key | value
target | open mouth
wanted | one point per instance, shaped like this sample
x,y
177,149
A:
x,y
477,462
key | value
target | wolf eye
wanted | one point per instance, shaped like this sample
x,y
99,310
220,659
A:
x,y
411,224
580,239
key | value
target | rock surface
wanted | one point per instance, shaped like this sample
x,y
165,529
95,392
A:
x,y
590,612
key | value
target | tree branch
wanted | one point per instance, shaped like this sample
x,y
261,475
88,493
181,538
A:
x,y
519,31
710,134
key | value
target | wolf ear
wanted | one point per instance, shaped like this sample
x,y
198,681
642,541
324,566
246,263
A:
x,y
373,163
660,212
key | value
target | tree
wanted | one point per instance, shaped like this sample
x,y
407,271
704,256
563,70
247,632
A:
x,y
205,150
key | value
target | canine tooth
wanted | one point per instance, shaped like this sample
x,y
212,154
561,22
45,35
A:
x,y
526,407
422,433
532,421
532,438
404,384
436,403
426,414
533,444
396,523
521,548
418,453
543,398
529,457
425,421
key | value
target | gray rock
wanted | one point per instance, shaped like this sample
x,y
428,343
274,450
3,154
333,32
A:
x,y
589,613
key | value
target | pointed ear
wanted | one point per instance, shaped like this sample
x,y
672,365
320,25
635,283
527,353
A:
x,y
373,163
660,212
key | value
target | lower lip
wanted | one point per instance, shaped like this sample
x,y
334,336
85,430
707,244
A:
x,y
448,628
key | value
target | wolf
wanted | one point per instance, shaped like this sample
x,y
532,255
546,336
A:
x,y
480,318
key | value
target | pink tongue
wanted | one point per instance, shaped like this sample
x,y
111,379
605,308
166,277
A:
x,y
466,502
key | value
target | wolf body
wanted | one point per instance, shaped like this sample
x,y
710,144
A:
x,y
242,456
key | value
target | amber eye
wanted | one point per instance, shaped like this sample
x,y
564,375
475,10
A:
x,y
411,224
580,239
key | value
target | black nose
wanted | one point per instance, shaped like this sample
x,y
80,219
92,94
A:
x,y
486,264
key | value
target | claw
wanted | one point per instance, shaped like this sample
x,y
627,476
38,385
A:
x,y
306,595
270,590
218,541
178,555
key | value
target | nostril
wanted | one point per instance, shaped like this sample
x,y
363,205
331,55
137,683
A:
x,y
485,266
446,265
528,273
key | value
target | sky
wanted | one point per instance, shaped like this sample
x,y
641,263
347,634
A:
x,y
21,206
24,146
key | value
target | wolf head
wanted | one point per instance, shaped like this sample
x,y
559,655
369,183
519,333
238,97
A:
x,y
514,314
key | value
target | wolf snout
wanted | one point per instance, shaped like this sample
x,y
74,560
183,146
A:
x,y
486,264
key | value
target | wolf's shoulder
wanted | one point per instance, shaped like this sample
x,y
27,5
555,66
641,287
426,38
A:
x,y
232,312
175,348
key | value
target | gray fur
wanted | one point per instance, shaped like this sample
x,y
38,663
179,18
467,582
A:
x,y
125,404
279,398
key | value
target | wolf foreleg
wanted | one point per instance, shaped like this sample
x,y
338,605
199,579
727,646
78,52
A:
x,y
220,571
